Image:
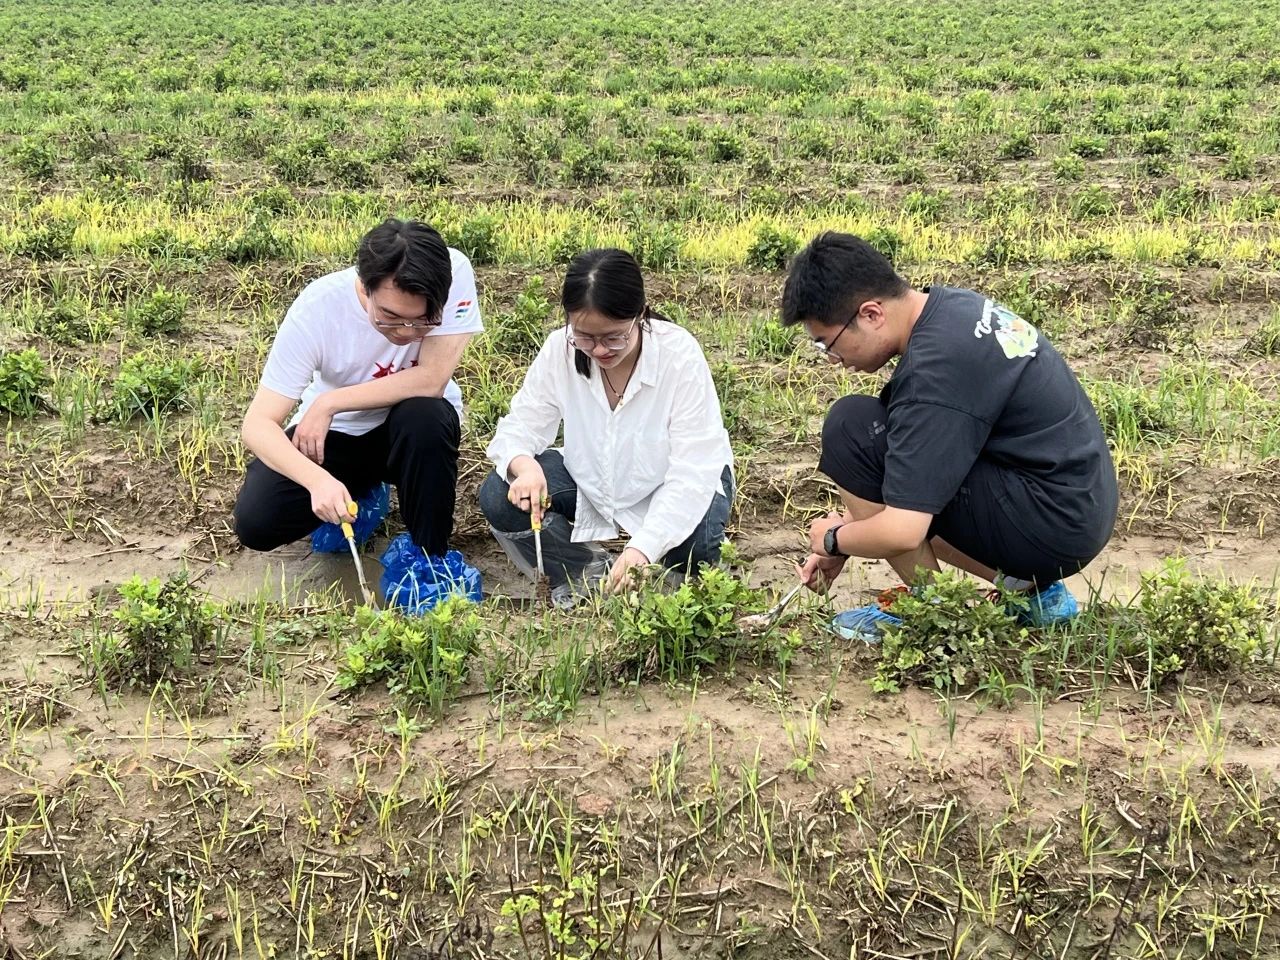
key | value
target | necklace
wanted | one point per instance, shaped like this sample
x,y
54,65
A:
x,y
609,383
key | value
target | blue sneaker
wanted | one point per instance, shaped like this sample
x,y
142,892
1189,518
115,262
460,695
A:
x,y
863,623
1048,607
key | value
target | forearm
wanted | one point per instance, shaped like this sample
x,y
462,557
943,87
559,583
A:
x,y
676,510
269,443
878,537
383,392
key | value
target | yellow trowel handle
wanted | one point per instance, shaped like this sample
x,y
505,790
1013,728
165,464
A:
x,y
353,508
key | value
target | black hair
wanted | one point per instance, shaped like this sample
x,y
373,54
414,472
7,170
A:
x,y
412,255
833,275
608,281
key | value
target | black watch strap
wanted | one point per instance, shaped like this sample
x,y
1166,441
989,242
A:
x,y
830,543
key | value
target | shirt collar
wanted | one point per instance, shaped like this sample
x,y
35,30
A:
x,y
649,366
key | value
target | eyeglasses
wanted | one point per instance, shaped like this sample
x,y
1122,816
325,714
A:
x,y
378,316
611,341
824,349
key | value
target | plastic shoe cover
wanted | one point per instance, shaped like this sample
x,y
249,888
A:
x,y
863,623
1050,606
371,510
417,582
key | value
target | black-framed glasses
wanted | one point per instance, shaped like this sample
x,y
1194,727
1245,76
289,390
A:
x,y
610,341
824,349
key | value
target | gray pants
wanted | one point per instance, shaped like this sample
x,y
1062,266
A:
x,y
566,561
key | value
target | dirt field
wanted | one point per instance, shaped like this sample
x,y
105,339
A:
x,y
633,781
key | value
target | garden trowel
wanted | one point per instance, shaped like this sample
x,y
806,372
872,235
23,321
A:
x,y
369,599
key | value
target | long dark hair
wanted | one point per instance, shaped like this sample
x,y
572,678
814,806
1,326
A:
x,y
608,281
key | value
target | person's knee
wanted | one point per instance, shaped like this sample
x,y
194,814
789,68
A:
x,y
495,506
854,445
856,415
254,529
424,420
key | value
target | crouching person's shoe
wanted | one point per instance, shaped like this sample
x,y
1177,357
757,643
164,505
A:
x,y
416,581
868,623
1049,607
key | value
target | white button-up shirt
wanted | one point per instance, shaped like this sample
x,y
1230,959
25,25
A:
x,y
652,465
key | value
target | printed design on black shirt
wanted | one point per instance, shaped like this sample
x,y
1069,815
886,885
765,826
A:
x,y
1017,338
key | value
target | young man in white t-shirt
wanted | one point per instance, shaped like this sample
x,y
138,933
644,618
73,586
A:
x,y
370,353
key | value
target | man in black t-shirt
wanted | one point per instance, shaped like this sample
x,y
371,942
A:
x,y
981,451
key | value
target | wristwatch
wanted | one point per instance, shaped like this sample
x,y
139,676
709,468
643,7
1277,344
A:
x,y
830,546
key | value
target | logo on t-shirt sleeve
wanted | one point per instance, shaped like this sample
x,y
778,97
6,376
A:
x,y
1016,337
460,312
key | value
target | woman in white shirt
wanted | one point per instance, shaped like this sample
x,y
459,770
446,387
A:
x,y
645,449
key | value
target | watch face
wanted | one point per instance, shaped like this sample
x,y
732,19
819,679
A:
x,y
829,542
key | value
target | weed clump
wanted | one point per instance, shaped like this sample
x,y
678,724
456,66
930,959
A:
x,y
149,385
423,659
1185,622
257,241
48,240
674,635
951,636
771,248
521,332
161,313
22,379
162,627
478,237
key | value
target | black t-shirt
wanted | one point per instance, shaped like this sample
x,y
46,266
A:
x,y
977,380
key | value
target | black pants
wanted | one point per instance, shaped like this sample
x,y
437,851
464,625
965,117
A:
x,y
415,448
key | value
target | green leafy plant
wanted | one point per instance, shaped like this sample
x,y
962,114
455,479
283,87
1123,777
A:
x,y
951,636
22,379
521,332
585,166
1184,621
50,239
724,145
429,170
162,312
674,635
1068,166
162,627
1089,146
258,240
477,237
35,158
150,384
1019,146
423,658
771,248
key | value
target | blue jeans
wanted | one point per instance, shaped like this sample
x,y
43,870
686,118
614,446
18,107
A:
x,y
702,546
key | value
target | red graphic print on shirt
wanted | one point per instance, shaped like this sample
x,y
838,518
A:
x,y
386,371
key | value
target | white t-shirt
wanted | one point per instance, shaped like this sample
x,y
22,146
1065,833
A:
x,y
326,342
